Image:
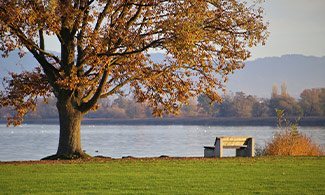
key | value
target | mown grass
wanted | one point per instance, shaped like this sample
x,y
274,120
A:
x,y
259,175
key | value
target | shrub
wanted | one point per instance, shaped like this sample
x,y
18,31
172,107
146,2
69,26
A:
x,y
260,150
289,141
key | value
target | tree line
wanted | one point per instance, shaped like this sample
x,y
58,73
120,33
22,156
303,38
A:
x,y
310,103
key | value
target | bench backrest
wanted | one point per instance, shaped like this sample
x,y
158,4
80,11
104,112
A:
x,y
233,141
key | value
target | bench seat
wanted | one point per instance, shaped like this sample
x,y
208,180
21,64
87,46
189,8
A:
x,y
228,147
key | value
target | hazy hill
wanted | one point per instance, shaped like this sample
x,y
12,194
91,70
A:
x,y
298,71
14,64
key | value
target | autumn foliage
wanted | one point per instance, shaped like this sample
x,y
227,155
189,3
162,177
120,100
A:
x,y
104,47
290,142
24,90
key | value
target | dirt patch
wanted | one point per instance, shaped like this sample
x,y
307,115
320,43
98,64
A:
x,y
104,159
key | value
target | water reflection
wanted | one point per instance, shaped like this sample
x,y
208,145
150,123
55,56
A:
x,y
32,142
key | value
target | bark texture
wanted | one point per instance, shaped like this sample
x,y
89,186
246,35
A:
x,y
70,124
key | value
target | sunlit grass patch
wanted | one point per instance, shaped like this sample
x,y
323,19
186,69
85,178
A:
x,y
261,175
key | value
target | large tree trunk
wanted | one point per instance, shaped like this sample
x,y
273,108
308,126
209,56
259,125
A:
x,y
70,123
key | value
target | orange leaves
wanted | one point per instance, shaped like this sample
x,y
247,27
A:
x,y
21,92
287,144
290,142
69,82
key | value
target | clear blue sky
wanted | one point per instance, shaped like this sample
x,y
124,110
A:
x,y
296,27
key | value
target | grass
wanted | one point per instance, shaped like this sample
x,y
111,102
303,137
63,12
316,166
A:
x,y
259,175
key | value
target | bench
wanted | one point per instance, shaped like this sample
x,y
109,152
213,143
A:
x,y
244,146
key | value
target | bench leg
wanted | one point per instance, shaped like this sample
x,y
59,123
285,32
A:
x,y
240,152
209,153
219,148
249,151
251,147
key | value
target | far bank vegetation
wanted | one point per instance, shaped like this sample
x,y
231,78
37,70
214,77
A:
x,y
241,105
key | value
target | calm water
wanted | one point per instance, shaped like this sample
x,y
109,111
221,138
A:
x,y
33,142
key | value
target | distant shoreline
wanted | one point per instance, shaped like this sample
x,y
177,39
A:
x,y
267,121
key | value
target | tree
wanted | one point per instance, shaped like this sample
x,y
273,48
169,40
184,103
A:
x,y
283,102
274,91
226,108
287,103
206,105
189,110
243,105
322,99
104,51
311,103
284,89
260,108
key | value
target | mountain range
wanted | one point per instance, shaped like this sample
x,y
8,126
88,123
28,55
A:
x,y
299,72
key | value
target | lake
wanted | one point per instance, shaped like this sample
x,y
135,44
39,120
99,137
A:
x,y
33,142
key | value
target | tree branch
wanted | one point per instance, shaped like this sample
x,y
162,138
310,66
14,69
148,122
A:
x,y
153,44
89,95
41,41
80,37
102,16
48,68
133,19
84,107
116,88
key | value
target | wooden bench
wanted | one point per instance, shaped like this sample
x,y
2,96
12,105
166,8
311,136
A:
x,y
244,146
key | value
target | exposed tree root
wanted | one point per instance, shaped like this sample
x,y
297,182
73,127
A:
x,y
74,156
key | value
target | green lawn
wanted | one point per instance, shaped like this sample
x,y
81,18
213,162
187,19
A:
x,y
260,175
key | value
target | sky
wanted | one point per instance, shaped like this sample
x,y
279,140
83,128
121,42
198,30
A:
x,y
295,26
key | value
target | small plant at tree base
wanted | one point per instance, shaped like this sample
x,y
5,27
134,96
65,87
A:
x,y
289,141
